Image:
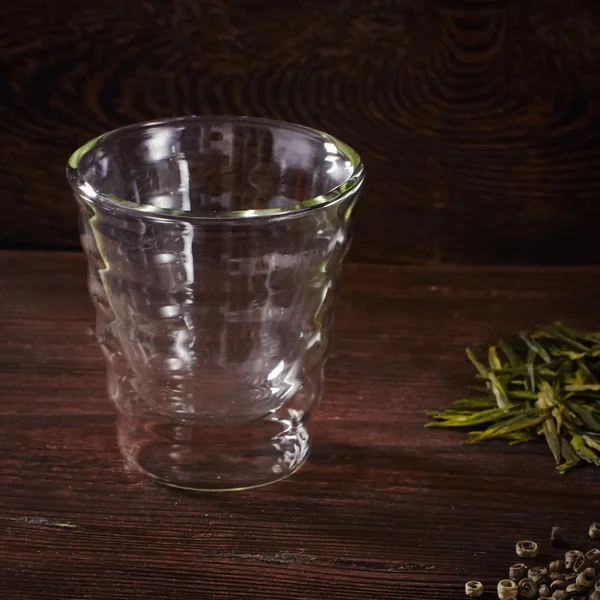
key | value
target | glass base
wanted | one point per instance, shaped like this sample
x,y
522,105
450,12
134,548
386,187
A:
x,y
207,457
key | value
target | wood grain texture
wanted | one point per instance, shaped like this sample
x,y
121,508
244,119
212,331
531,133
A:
x,y
383,510
479,121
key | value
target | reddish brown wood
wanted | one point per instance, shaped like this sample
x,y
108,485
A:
x,y
384,509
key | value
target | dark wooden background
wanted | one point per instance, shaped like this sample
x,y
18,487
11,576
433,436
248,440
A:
x,y
478,120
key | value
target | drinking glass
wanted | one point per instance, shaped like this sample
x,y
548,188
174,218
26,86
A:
x,y
214,247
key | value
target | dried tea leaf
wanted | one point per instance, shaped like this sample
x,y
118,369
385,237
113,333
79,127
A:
x,y
494,359
536,347
548,387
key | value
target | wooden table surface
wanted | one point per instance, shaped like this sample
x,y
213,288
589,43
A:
x,y
384,509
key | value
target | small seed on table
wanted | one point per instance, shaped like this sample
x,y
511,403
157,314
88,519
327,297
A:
x,y
580,564
557,537
474,589
556,566
585,579
507,589
538,574
527,549
517,572
528,589
544,591
573,557
592,558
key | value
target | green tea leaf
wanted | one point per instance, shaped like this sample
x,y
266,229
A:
x,y
515,424
499,392
583,387
531,372
586,416
466,420
472,404
518,437
588,376
519,395
494,359
563,334
536,347
552,437
571,458
583,451
591,442
513,359
480,368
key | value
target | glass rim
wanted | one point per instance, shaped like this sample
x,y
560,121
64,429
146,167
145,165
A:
x,y
95,197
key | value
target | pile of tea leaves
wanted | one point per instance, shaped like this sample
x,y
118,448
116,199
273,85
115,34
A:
x,y
545,386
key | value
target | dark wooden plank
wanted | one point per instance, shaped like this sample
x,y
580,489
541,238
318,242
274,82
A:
x,y
478,121
384,509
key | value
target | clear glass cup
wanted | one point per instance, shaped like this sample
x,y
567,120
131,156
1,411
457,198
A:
x,y
214,247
